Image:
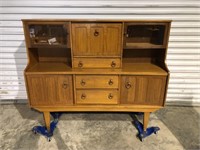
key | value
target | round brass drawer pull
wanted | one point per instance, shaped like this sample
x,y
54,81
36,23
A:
x,y
83,96
83,82
110,96
128,85
96,33
64,85
80,64
113,64
110,82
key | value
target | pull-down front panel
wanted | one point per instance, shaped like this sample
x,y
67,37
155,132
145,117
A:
x,y
96,39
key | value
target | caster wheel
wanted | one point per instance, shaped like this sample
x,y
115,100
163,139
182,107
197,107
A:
x,y
34,131
49,139
156,132
142,140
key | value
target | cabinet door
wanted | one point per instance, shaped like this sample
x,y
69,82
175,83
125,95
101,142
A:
x,y
47,34
113,39
96,39
144,90
80,39
50,90
146,35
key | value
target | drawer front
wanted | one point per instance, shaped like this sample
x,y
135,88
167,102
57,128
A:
x,y
94,81
96,63
97,96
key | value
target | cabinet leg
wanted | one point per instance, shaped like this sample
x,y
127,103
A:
x,y
47,120
146,120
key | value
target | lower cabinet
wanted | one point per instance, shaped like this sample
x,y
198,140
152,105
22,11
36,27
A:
x,y
57,90
144,90
50,90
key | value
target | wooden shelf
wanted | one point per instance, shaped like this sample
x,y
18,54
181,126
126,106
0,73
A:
x,y
48,46
127,69
142,69
49,68
142,45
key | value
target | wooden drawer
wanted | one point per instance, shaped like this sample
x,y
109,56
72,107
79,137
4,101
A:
x,y
95,81
96,63
97,96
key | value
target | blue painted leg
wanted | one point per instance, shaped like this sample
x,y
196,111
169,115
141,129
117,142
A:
x,y
141,133
43,130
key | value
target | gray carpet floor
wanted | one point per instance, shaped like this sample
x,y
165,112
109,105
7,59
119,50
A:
x,y
180,129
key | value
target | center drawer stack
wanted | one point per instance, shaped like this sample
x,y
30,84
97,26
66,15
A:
x,y
94,46
95,89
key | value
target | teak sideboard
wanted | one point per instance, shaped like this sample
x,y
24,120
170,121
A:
x,y
96,65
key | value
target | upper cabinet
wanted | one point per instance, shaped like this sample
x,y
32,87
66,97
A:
x,y
145,35
97,44
96,39
48,34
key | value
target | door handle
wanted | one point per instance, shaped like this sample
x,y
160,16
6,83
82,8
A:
x,y
96,33
128,85
64,85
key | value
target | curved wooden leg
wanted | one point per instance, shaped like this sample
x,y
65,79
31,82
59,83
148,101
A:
x,y
146,120
47,120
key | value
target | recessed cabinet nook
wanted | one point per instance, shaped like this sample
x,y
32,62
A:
x,y
96,65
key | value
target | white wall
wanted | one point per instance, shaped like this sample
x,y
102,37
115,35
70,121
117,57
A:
x,y
184,46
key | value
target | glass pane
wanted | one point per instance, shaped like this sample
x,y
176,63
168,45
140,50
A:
x,y
149,34
47,34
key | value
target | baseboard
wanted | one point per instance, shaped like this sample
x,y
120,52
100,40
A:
x,y
182,103
14,101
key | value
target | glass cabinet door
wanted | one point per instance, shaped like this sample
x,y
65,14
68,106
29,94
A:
x,y
48,35
144,35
